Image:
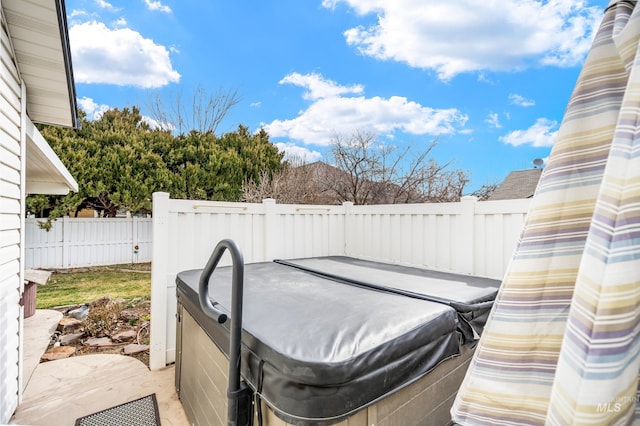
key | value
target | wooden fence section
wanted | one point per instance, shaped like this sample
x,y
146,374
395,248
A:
x,y
468,237
81,242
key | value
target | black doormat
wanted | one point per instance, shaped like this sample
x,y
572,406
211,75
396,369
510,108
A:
x,y
141,412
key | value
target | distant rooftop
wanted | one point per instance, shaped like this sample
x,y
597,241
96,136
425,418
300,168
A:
x,y
517,184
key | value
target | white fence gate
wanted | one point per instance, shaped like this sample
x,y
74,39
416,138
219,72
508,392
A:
x,y
468,237
80,242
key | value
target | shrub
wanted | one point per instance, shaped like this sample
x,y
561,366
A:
x,y
102,318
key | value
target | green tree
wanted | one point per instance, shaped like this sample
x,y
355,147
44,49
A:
x,y
119,161
214,168
112,161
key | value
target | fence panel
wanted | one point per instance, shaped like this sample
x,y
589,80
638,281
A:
x,y
498,225
81,242
432,235
467,237
185,232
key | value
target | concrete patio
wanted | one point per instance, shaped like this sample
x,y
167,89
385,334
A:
x,y
58,392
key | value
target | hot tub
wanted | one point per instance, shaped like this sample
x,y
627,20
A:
x,y
331,340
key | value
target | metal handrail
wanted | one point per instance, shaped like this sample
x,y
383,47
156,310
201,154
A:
x,y
234,391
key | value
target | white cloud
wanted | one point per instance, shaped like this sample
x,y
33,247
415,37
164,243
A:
x,y
541,134
318,87
330,113
327,117
519,100
330,4
102,4
471,36
75,13
94,110
155,124
295,152
484,78
256,104
118,56
120,22
157,5
493,120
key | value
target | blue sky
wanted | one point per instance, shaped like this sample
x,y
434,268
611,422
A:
x,y
489,80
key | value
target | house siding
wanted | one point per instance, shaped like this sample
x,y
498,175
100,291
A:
x,y
11,206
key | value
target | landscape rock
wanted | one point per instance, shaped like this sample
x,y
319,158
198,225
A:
x,y
123,330
135,349
69,325
98,341
80,313
124,336
129,314
70,339
58,352
67,308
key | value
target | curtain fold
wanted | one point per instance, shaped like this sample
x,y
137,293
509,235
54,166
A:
x,y
562,343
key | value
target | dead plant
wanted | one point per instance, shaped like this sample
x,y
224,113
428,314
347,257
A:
x,y
102,318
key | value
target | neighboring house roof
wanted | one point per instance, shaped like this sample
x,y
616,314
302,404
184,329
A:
x,y
39,39
517,184
331,185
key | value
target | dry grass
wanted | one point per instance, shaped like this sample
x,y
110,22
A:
x,y
79,286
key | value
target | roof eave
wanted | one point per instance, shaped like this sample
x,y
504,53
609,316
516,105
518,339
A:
x,y
45,172
40,40
68,65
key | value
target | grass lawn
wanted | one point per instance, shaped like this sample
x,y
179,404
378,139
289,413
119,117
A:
x,y
85,285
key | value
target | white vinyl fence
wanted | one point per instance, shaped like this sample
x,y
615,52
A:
x,y
468,237
80,242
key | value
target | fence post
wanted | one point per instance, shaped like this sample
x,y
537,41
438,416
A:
x,y
348,227
134,239
269,250
66,231
467,235
159,268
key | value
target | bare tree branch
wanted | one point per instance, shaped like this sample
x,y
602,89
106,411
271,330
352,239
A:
x,y
484,192
363,172
370,173
206,112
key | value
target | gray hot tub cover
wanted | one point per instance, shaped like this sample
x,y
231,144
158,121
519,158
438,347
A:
x,y
317,350
472,297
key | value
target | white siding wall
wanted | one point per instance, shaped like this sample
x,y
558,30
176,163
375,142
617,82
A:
x,y
11,205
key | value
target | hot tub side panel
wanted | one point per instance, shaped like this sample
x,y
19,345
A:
x,y
203,375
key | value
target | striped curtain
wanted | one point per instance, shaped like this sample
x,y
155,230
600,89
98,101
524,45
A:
x,y
562,343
